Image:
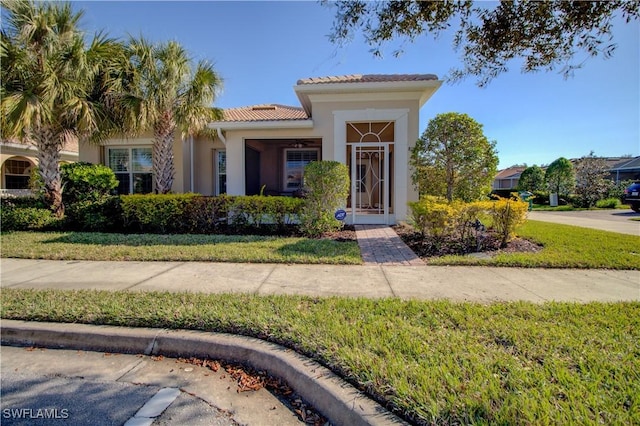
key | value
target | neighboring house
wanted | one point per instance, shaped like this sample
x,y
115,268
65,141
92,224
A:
x,y
620,169
17,161
507,179
625,168
368,122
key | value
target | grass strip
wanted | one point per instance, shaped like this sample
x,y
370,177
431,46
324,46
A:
x,y
564,246
152,247
434,362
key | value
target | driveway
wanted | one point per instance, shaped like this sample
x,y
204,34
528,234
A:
x,y
606,220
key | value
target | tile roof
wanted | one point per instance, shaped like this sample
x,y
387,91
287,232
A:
x,y
264,112
367,78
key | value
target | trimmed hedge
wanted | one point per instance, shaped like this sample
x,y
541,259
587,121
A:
x,y
27,214
197,214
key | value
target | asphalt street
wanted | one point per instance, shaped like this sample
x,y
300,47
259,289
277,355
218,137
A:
x,y
70,387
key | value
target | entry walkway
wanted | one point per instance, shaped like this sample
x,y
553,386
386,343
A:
x,y
379,244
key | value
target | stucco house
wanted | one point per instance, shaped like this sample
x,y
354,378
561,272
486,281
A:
x,y
17,161
368,122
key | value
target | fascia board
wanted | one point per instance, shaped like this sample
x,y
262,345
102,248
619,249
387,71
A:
x,y
388,86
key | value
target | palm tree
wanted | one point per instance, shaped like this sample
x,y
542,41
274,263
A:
x,y
54,89
166,94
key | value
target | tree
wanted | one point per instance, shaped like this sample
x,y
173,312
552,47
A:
x,y
54,88
544,34
454,159
592,179
531,179
165,94
560,177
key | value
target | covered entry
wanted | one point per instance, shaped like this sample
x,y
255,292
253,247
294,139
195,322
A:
x,y
276,166
370,147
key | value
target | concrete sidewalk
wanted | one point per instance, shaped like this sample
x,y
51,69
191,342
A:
x,y
478,284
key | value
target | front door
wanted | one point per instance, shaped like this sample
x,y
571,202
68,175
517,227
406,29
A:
x,y
370,183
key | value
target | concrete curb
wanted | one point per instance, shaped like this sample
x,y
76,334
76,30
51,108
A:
x,y
340,402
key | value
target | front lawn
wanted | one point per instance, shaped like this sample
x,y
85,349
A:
x,y
433,362
213,248
563,246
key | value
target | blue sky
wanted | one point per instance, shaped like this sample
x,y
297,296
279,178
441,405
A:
x,y
262,48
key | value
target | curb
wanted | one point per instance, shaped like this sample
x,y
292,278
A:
x,y
336,399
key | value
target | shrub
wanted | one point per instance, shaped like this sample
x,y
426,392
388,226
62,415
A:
x,y
616,191
157,213
507,214
432,216
207,215
87,182
327,183
248,212
468,218
104,215
609,203
193,213
541,197
259,212
28,219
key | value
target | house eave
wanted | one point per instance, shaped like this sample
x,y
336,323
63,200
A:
x,y
33,148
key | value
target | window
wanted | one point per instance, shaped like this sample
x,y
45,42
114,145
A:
x,y
16,174
295,160
133,169
220,158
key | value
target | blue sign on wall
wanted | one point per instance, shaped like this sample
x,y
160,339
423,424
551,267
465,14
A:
x,y
340,214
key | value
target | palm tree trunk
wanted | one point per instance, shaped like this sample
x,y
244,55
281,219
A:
x,y
163,168
49,146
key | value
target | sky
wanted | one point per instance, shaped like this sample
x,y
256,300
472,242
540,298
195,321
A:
x,y
261,49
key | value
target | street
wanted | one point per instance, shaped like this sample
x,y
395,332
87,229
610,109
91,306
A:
x,y
606,220
69,387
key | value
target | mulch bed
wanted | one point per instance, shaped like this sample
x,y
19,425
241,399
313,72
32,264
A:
x,y
347,233
426,247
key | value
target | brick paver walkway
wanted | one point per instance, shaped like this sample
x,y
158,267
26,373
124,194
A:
x,y
379,244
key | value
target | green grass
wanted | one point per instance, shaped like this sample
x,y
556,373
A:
x,y
435,362
547,208
214,248
564,246
570,208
